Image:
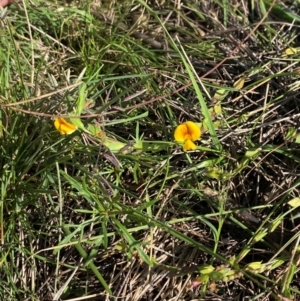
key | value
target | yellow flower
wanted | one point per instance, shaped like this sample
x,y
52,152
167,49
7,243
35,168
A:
x,y
187,132
64,127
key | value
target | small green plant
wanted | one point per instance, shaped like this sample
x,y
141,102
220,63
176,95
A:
x,y
110,190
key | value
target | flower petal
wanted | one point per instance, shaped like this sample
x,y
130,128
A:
x,y
181,133
194,130
189,145
64,127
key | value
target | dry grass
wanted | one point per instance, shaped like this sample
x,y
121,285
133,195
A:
x,y
80,222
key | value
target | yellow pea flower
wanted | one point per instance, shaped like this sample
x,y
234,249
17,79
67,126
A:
x,y
64,127
187,133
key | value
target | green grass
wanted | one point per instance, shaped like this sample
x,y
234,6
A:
x,y
117,210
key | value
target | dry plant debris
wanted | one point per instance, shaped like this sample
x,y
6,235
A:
x,y
136,217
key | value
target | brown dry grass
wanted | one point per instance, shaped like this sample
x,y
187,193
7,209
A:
x,y
173,205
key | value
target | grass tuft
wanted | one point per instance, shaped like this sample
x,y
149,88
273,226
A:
x,y
117,209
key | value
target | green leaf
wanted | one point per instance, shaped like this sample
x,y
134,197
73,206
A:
x,y
218,110
274,224
78,123
113,145
243,254
291,50
259,236
253,152
206,269
294,202
291,134
81,99
220,95
255,267
243,118
276,263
